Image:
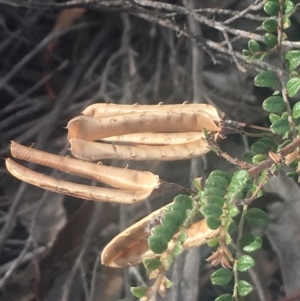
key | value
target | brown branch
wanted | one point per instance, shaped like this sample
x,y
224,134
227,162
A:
x,y
256,170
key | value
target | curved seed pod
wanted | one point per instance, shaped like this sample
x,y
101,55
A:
x,y
130,247
291,157
176,120
100,110
157,138
93,151
77,190
120,178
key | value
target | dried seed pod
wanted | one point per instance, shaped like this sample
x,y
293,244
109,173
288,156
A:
x,y
120,178
77,190
94,151
130,247
175,120
291,157
100,110
157,138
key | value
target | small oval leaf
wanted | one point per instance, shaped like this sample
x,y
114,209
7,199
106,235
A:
x,y
139,291
271,8
280,127
293,86
267,79
244,288
212,209
289,7
245,263
217,182
259,158
270,40
253,46
251,242
221,276
157,244
286,22
257,217
273,117
212,222
273,104
293,57
151,264
264,145
270,25
214,199
221,173
225,297
296,110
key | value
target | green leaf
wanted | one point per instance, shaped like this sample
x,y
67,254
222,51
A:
x,y
253,46
198,184
270,25
225,297
151,264
267,79
293,86
240,180
273,118
139,291
217,182
213,242
244,288
293,57
292,174
286,22
289,7
246,52
245,263
212,209
221,173
270,40
284,144
261,56
248,157
271,8
213,191
231,229
183,201
257,217
212,222
280,127
214,199
264,145
170,223
259,158
168,283
251,242
221,276
233,210
157,244
296,110
273,104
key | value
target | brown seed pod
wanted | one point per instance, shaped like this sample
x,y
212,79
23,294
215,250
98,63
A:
x,y
94,151
77,190
120,178
167,121
130,247
100,110
157,138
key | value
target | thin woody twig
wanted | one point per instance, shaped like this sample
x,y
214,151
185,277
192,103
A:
x,y
239,66
256,170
